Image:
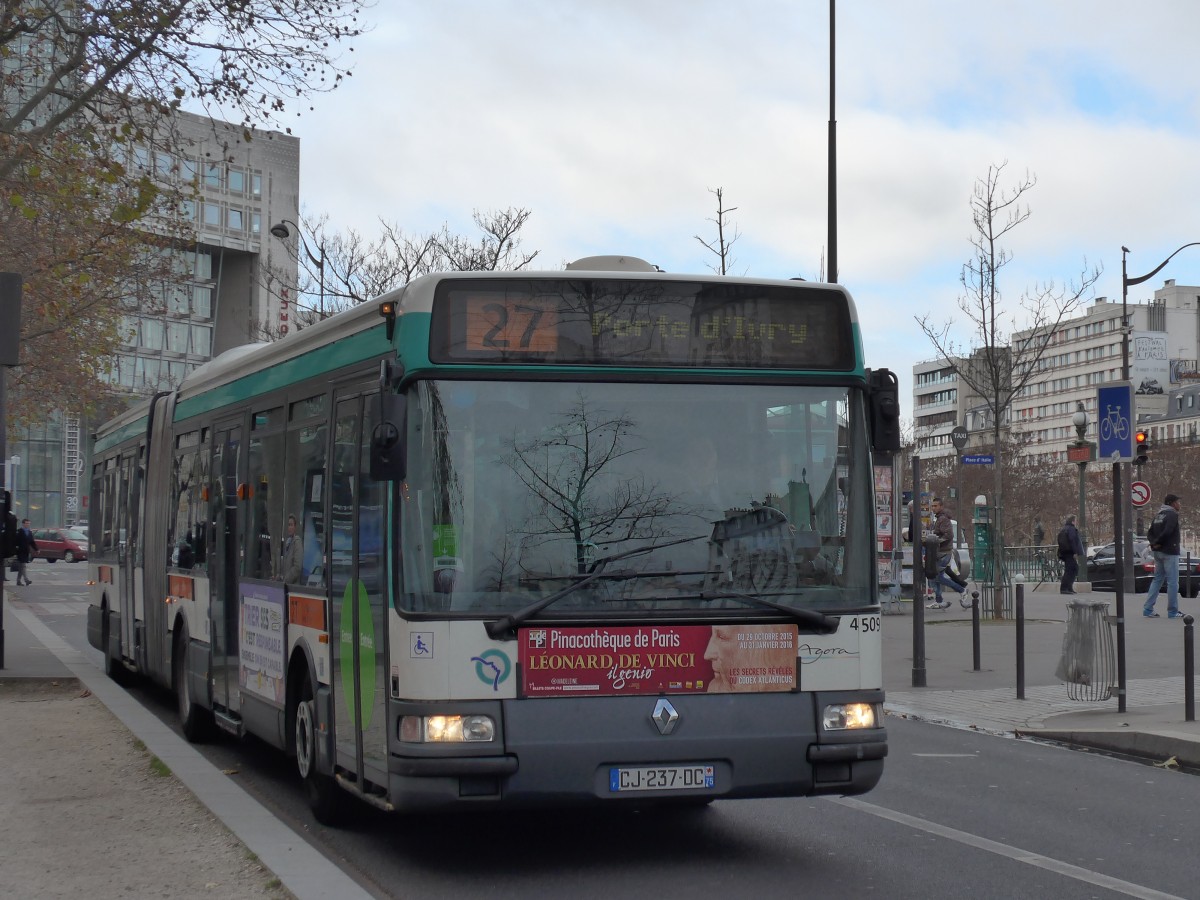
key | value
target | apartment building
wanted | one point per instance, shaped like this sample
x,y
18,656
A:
x,y
1083,352
1088,350
939,404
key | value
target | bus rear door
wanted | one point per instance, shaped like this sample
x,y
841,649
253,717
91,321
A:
x,y
225,563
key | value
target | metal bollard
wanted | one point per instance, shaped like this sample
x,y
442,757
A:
x,y
1020,641
975,628
1189,669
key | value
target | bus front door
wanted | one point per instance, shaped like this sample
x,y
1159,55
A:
x,y
357,520
225,565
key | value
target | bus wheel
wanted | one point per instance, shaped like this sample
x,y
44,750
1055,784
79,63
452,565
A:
x,y
112,666
324,796
193,718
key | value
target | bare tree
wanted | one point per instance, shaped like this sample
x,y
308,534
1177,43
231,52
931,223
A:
x,y
721,248
357,268
993,367
107,67
570,473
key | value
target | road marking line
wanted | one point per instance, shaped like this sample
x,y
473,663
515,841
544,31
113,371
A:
x,y
949,755
1013,853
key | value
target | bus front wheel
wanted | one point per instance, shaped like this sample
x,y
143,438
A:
x,y
324,796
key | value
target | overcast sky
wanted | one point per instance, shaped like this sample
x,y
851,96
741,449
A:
x,y
612,120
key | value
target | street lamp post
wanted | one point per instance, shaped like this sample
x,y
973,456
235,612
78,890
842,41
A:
x,y
1126,283
1122,509
281,231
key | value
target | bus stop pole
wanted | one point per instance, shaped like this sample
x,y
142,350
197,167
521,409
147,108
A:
x,y
918,570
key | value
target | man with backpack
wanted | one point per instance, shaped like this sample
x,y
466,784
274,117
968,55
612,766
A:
x,y
1163,536
1070,547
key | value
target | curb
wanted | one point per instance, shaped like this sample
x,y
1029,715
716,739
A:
x,y
1153,748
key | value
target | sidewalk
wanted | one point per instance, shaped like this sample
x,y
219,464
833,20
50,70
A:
x,y
76,763
1152,727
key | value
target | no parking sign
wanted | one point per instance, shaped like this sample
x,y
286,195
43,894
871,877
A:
x,y
1139,493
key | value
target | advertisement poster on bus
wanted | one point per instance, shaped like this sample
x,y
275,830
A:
x,y
261,645
654,659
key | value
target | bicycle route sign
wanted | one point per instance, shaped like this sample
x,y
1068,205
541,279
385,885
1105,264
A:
x,y
1139,493
1115,422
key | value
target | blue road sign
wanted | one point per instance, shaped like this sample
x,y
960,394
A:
x,y
1115,422
979,459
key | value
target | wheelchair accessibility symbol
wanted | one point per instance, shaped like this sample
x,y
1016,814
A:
x,y
420,645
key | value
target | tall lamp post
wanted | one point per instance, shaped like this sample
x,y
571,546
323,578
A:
x,y
1082,455
281,231
1126,282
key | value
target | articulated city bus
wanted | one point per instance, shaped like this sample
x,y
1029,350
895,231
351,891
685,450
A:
x,y
510,538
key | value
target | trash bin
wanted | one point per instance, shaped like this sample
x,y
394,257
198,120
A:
x,y
1089,662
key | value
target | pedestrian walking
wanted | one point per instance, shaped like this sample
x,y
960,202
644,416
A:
x,y
26,547
1070,547
943,529
1163,536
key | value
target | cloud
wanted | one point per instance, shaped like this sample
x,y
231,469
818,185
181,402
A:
x,y
612,121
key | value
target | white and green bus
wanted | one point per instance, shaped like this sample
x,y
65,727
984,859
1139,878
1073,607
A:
x,y
599,535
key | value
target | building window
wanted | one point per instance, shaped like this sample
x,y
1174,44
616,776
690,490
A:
x,y
235,219
202,301
212,175
212,214
256,185
202,270
201,340
237,181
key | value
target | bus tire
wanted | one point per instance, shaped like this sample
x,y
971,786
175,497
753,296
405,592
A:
x,y
194,719
324,796
113,667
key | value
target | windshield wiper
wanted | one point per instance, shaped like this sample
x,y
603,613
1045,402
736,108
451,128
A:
x,y
818,620
505,628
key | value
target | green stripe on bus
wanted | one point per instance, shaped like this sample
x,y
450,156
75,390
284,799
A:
x,y
329,358
137,428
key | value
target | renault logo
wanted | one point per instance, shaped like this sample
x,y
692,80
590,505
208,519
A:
x,y
664,716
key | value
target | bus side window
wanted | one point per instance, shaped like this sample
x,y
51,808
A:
x,y
304,493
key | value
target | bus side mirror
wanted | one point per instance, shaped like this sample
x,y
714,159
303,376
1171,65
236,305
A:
x,y
388,450
884,410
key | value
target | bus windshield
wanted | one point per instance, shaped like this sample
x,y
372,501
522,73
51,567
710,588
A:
x,y
517,490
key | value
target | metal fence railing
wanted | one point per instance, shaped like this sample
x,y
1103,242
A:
x,y
1035,564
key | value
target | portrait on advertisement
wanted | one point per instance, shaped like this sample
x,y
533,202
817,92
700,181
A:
x,y
748,658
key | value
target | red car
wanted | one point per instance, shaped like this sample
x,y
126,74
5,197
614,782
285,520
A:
x,y
54,544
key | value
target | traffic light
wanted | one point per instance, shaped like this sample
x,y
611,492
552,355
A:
x,y
1142,452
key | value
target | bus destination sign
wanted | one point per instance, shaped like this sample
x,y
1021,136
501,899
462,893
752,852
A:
x,y
642,323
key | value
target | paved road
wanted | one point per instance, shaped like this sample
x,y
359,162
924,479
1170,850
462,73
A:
x,y
957,810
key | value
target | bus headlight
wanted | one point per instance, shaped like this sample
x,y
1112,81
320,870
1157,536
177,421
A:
x,y
447,729
844,716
